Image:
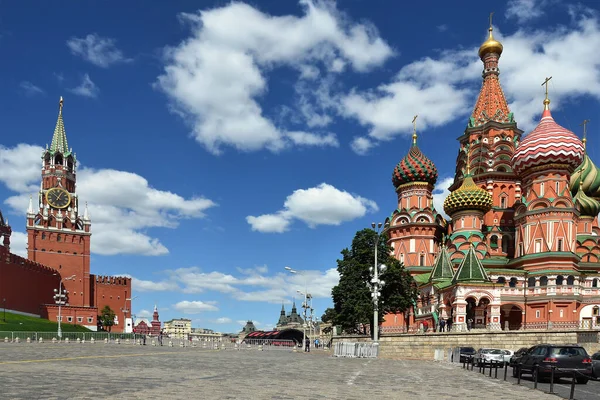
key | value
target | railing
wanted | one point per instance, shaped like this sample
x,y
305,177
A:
x,y
356,350
137,339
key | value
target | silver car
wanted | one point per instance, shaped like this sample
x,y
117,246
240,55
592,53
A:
x,y
488,356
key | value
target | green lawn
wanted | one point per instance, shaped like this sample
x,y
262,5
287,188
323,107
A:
x,y
16,322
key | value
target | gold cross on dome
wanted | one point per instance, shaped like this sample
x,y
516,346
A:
x,y
60,105
584,124
546,83
491,15
414,122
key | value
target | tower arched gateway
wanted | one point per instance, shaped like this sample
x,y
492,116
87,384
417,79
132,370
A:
x,y
522,247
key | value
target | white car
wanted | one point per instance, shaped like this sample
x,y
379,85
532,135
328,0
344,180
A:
x,y
507,355
487,356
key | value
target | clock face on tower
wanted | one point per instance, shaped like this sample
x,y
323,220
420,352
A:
x,y
58,198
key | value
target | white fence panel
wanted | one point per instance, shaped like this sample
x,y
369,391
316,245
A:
x,y
359,350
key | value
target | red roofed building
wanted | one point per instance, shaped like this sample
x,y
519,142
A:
x,y
145,327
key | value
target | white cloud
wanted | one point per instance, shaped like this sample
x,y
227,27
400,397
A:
x,y
214,78
361,145
122,205
320,205
195,307
252,284
18,243
144,314
97,50
443,88
140,285
525,10
310,139
86,88
223,320
440,193
29,89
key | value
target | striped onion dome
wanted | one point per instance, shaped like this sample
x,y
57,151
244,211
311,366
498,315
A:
x,y
415,167
587,206
548,143
468,196
589,176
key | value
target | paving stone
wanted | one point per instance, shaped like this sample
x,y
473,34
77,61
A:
x,y
98,371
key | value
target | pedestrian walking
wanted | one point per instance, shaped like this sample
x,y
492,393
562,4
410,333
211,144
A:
x,y
442,325
469,323
307,345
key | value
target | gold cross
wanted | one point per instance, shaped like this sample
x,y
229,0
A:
x,y
491,15
60,105
546,83
414,122
584,124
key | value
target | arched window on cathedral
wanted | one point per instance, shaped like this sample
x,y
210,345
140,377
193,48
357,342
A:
x,y
502,280
557,187
503,202
544,281
531,281
422,260
570,280
595,283
43,235
58,238
559,280
512,282
541,189
494,242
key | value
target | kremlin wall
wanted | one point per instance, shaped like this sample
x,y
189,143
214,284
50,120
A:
x,y
58,251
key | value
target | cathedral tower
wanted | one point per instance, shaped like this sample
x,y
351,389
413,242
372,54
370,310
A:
x,y
415,228
58,236
488,144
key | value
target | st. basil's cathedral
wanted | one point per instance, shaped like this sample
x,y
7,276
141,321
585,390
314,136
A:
x,y
521,249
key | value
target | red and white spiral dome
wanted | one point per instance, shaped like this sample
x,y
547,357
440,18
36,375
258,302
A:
x,y
548,143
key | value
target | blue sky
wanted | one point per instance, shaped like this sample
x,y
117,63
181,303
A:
x,y
219,142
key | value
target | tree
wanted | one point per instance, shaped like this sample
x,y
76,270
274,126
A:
x,y
107,318
329,317
352,296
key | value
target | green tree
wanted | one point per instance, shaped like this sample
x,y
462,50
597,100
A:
x,y
107,318
352,296
329,317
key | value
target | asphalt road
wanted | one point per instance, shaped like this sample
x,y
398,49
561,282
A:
x,y
102,371
562,388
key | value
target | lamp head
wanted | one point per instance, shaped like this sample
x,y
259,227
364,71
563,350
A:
x,y
379,225
373,225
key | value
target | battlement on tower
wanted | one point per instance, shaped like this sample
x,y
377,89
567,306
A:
x,y
112,280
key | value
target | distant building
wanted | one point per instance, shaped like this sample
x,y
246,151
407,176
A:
x,y
145,327
178,328
292,320
249,327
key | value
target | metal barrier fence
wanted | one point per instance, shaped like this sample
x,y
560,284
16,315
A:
x,y
358,350
130,338
575,376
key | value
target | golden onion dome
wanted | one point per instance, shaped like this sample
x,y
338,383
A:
x,y
491,45
468,196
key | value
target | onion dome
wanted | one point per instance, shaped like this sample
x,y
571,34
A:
x,y
468,196
548,143
587,175
415,167
587,206
491,45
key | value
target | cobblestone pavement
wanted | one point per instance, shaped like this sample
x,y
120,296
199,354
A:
x,y
86,371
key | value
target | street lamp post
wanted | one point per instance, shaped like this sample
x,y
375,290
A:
x,y
60,298
376,283
304,305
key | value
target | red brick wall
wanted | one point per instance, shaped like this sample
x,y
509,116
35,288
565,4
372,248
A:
x,y
24,284
112,291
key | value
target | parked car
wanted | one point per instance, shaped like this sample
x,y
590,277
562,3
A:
x,y
566,358
507,356
596,364
516,358
466,353
487,356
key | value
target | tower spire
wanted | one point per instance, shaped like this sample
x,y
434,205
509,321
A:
x,y
546,100
584,140
59,139
414,136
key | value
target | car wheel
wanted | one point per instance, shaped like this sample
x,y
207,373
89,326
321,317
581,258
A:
x,y
582,381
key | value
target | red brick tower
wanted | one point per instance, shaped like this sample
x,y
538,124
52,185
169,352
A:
x,y
58,236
